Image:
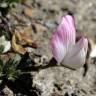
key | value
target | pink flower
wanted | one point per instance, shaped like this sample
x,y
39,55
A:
x,y
65,49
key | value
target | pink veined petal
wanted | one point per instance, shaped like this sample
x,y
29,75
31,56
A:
x,y
63,37
58,49
76,55
66,30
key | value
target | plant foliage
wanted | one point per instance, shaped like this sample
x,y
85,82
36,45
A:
x,y
6,3
9,70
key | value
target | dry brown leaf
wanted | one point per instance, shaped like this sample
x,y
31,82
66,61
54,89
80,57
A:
x,y
16,47
25,38
21,39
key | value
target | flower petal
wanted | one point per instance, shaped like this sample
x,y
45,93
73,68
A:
x,y
76,56
58,49
66,30
7,46
93,49
93,53
5,43
63,38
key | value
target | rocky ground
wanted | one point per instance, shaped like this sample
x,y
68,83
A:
x,y
41,18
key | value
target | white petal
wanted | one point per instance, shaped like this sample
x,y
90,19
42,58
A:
x,y
93,53
7,46
5,43
76,55
93,47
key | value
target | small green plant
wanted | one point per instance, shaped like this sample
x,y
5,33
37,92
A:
x,y
9,70
6,3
